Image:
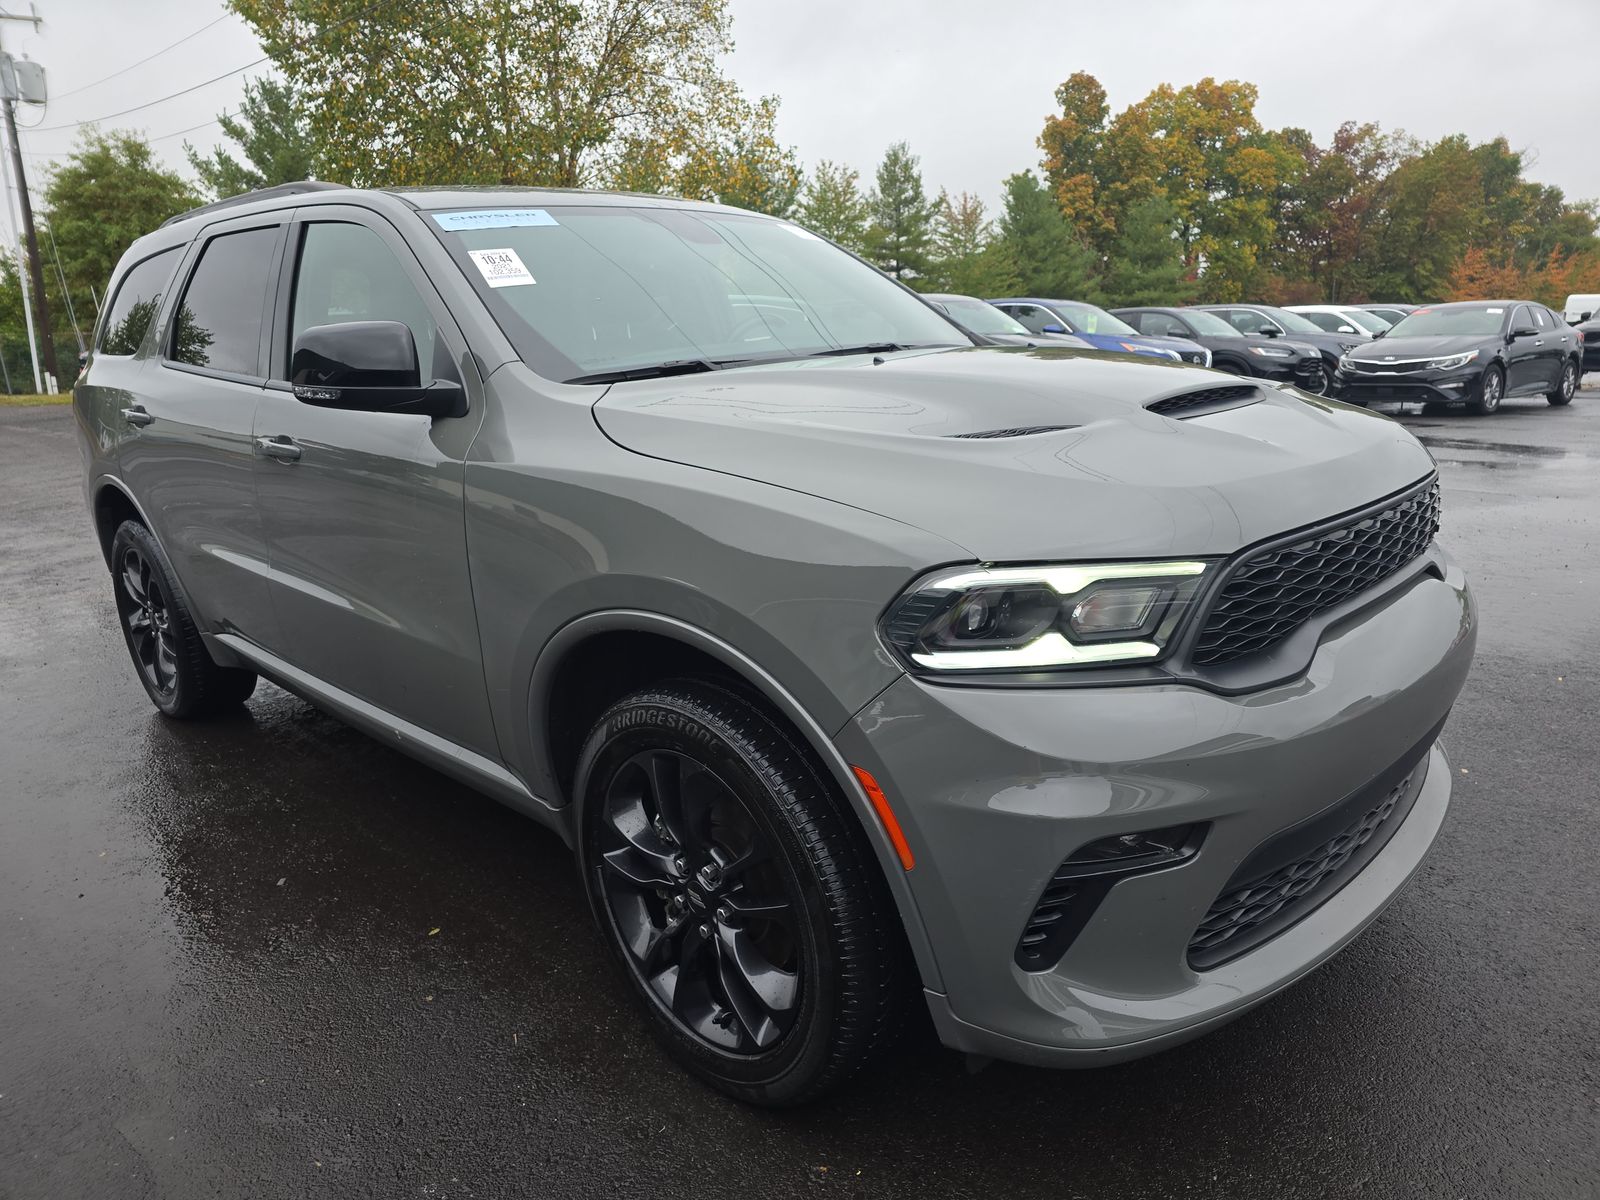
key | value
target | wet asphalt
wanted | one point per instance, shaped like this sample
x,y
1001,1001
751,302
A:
x,y
220,976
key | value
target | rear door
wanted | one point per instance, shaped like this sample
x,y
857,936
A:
x,y
365,511
188,459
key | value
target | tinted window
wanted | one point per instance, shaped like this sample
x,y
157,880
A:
x,y
1033,318
1159,325
1539,318
1329,321
348,273
219,321
138,297
1244,320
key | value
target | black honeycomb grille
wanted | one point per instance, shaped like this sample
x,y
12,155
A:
x,y
1207,398
1270,595
1244,917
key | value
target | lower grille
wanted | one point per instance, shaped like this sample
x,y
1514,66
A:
x,y
1259,907
1272,593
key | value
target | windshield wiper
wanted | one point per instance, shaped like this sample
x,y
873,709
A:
x,y
677,366
869,348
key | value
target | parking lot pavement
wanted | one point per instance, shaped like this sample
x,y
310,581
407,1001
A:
x,y
270,957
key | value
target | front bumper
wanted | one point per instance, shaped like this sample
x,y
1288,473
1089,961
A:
x,y
1425,386
997,787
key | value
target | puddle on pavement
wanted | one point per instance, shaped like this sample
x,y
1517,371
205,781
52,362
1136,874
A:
x,y
1520,449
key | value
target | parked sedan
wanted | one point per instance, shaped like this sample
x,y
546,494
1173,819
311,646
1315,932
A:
x,y
1280,322
1099,328
1242,354
1474,353
1341,318
1589,339
986,321
1392,313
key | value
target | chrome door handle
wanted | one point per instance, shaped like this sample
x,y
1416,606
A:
x,y
1540,342
280,448
136,416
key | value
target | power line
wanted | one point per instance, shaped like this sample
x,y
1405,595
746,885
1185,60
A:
x,y
186,37
151,103
216,120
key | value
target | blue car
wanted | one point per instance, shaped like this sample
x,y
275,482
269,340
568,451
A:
x,y
1099,328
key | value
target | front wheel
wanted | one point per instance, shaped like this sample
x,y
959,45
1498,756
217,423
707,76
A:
x,y
1318,383
737,894
1568,385
1491,390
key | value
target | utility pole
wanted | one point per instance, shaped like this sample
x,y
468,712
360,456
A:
x,y
9,94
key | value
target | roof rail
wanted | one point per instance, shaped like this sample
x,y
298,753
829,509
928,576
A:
x,y
266,193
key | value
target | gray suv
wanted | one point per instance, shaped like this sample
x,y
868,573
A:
x,y
1089,700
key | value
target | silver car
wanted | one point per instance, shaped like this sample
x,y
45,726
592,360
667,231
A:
x,y
1086,701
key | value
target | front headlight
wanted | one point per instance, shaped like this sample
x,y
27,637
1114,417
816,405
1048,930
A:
x,y
1271,352
1452,361
1042,618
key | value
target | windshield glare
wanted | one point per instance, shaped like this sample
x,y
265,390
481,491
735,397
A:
x,y
584,290
981,317
1210,325
1371,322
1086,318
1438,322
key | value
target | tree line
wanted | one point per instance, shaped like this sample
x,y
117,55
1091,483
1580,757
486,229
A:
x,y
1183,196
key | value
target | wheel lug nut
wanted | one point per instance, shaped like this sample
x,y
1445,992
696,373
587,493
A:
x,y
681,863
723,914
705,931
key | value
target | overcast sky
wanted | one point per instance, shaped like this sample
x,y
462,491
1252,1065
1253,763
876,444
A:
x,y
967,83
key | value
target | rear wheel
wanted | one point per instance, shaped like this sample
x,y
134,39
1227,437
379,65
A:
x,y
1491,390
173,664
1564,389
737,894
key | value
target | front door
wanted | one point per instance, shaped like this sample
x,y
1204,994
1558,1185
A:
x,y
188,457
1525,361
365,512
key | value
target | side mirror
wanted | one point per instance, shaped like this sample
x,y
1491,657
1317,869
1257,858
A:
x,y
1379,334
1053,329
1522,332
368,366
1270,331
1346,329
1582,317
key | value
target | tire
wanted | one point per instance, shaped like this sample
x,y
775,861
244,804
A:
x,y
714,851
167,651
1323,381
1562,395
1491,390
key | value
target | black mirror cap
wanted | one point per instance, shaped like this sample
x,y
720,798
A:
x,y
1269,331
356,354
368,366
1524,331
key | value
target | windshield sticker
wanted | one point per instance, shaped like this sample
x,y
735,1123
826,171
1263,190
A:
x,y
500,268
1494,310
483,218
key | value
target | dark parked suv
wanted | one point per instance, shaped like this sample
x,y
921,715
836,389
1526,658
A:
x,y
1087,701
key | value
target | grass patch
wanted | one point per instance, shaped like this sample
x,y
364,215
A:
x,y
9,401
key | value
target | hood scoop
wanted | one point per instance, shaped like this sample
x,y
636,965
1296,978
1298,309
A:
x,y
1206,400
1018,431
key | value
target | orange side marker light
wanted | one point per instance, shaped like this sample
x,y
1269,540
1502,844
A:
x,y
880,804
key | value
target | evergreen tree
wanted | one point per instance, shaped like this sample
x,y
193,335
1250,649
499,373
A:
x,y
900,238
1049,259
271,129
831,204
967,258
1146,264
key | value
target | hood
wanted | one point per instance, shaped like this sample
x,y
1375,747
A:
x,y
1108,478
1436,346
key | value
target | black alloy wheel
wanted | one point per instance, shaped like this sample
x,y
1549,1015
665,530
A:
x,y
1567,387
173,663
1318,382
147,618
738,893
696,898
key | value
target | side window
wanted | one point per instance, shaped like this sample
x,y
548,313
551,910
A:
x,y
138,297
1521,318
347,273
1161,325
1033,318
219,319
1322,320
1242,320
1539,317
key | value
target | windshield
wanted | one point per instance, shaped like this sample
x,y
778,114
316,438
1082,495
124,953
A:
x,y
1086,318
1291,322
590,290
1371,322
1210,325
980,317
1435,322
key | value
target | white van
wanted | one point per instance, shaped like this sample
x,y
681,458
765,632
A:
x,y
1581,307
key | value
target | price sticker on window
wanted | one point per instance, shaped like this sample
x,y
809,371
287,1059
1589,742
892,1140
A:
x,y
501,268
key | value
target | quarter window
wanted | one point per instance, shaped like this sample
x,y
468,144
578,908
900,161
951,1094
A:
x,y
347,273
219,319
138,297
